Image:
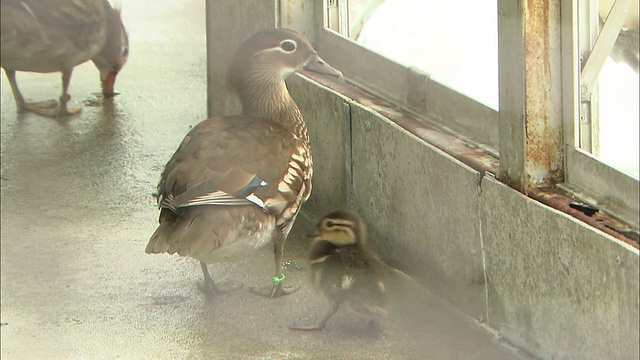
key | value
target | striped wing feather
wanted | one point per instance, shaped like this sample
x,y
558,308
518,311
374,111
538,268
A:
x,y
236,156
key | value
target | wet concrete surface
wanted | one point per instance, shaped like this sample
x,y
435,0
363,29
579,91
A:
x,y
77,212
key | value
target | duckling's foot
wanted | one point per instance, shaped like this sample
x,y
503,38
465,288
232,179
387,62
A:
x,y
211,289
319,325
308,327
375,327
274,291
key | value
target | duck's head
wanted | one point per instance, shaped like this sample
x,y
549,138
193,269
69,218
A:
x,y
340,228
270,56
115,52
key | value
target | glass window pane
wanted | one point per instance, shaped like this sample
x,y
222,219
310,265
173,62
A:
x,y
454,41
611,106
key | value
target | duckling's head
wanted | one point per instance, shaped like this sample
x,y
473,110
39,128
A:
x,y
270,56
115,52
341,228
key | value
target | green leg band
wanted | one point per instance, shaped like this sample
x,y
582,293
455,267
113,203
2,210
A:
x,y
278,280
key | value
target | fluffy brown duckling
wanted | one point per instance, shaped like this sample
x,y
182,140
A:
x,y
345,269
57,35
236,183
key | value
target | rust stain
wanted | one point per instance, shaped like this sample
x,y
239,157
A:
x,y
290,5
543,133
560,200
477,159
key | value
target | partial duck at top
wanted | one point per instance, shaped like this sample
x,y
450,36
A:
x,y
57,35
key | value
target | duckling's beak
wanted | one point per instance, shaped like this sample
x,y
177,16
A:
x,y
316,64
312,235
108,84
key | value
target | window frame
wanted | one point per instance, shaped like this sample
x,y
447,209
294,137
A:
x,y
590,179
408,88
505,131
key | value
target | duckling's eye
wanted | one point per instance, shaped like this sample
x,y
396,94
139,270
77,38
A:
x,y
330,223
288,45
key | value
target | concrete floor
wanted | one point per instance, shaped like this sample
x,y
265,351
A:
x,y
77,212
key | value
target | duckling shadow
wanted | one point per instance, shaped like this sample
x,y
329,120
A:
x,y
348,327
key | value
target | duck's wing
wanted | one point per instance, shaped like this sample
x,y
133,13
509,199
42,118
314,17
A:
x,y
236,161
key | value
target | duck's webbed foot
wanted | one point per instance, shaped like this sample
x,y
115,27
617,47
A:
x,y
276,289
212,289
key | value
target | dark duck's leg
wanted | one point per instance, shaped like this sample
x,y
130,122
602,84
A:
x,y
62,109
36,107
211,289
49,108
276,289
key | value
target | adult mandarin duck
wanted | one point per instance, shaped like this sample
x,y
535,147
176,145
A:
x,y
236,183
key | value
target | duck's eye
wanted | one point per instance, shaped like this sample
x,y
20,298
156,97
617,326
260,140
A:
x,y
330,223
288,45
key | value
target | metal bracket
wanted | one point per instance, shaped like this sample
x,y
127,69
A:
x,y
602,47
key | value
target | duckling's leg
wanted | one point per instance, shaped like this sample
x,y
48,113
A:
x,y
36,107
276,289
319,325
211,289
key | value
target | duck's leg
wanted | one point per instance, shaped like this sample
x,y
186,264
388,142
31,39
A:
x,y
319,325
62,109
36,107
211,289
276,289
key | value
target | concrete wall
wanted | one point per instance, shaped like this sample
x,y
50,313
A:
x,y
547,282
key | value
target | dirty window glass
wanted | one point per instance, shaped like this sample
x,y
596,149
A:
x,y
609,82
456,42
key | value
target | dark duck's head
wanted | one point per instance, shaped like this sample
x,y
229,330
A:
x,y
114,53
260,66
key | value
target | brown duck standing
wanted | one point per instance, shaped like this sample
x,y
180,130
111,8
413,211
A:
x,y
345,269
236,183
57,35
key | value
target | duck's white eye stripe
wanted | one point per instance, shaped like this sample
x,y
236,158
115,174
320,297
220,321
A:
x,y
288,45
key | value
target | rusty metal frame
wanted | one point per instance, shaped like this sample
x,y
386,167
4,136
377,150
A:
x,y
531,137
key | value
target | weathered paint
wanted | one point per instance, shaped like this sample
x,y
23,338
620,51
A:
x,y
543,102
531,137
562,201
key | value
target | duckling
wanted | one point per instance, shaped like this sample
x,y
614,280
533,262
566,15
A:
x,y
57,35
345,269
236,183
